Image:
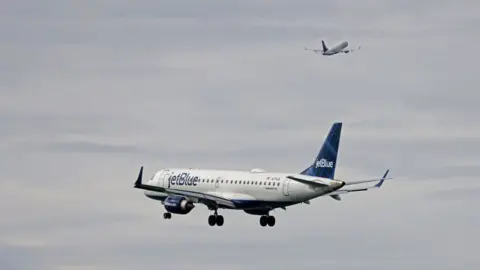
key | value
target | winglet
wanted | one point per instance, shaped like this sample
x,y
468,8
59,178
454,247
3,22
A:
x,y
379,184
139,178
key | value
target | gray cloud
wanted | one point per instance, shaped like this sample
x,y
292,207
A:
x,y
90,91
458,194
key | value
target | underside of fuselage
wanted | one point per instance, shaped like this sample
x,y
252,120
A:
x,y
254,207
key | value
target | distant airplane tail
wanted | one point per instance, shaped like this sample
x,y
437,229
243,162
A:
x,y
324,46
326,161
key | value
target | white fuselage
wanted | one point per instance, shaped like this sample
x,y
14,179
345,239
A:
x,y
248,189
336,49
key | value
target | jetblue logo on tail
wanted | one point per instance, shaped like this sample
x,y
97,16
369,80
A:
x,y
326,159
323,163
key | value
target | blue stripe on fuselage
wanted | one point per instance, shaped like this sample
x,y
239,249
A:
x,y
239,204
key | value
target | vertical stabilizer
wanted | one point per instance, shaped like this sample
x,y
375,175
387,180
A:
x,y
324,46
326,160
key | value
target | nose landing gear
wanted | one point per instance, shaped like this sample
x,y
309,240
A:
x,y
167,215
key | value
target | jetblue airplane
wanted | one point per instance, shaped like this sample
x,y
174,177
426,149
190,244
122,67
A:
x,y
256,192
339,48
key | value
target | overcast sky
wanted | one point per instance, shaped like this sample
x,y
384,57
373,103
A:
x,y
92,90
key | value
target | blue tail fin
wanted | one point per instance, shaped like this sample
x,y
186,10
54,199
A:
x,y
324,47
324,164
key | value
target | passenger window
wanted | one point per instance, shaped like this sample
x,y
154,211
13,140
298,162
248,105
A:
x,y
222,181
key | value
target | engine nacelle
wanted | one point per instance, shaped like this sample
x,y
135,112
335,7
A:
x,y
178,205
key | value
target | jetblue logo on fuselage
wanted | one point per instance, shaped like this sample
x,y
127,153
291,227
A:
x,y
323,163
183,179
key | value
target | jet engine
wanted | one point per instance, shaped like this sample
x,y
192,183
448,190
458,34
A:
x,y
178,205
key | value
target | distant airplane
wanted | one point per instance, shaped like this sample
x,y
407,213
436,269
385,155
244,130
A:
x,y
256,192
339,48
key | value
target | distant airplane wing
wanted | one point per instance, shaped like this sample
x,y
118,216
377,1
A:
x,y
350,50
207,199
336,194
313,50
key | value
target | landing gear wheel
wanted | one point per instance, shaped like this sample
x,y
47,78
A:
x,y
212,220
263,221
220,220
167,215
271,221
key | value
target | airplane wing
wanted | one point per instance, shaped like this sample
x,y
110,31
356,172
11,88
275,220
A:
x,y
336,193
313,50
208,199
350,50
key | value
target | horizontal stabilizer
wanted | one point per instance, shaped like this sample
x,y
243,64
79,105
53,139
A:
x,y
348,183
336,194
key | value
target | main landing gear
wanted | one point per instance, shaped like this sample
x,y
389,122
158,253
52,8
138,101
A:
x,y
215,219
167,215
270,220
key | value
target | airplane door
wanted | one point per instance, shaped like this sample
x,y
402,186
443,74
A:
x,y
165,179
217,181
285,186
